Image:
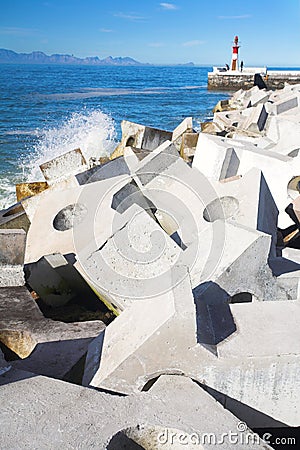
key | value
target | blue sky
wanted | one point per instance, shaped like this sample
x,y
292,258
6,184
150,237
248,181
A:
x,y
156,32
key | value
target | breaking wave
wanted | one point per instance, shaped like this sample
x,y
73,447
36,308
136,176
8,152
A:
x,y
91,131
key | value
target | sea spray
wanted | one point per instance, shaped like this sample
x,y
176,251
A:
x,y
90,130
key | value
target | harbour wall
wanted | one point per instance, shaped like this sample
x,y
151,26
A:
x,y
240,80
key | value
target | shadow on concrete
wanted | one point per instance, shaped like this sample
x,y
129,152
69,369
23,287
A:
x,y
13,376
213,315
259,82
251,416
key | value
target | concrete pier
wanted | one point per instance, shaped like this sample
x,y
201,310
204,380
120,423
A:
x,y
221,79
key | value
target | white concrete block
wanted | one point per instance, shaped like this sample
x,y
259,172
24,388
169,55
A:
x,y
72,219
134,263
63,166
278,170
260,96
186,126
257,120
167,320
146,420
45,346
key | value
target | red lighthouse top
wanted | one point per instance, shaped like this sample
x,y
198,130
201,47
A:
x,y
236,41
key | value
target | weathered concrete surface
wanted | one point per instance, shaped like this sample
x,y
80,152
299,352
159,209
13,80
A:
x,y
12,251
114,348
144,421
30,204
11,276
14,217
45,346
24,190
188,146
201,210
12,246
264,377
140,136
109,169
212,153
63,166
147,253
72,219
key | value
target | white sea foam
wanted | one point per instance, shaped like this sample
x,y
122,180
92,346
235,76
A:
x,y
91,131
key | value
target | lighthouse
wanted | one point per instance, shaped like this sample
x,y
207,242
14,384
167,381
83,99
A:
x,y
235,52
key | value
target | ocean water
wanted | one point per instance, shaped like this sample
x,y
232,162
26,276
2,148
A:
x,y
46,111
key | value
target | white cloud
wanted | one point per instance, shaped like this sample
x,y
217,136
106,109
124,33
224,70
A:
x,y
168,6
242,16
106,30
192,43
131,16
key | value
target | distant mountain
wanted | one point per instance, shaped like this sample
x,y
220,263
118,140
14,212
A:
x,y
11,57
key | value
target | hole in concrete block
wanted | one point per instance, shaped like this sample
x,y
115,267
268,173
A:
x,y
241,297
293,187
145,438
149,384
221,209
69,217
130,142
122,441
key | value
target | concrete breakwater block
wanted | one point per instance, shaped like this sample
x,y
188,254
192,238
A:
x,y
188,146
140,136
146,420
147,138
134,262
12,246
14,217
63,166
58,214
212,155
12,253
121,356
24,190
38,344
257,119
253,379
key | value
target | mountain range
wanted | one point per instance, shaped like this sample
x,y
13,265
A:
x,y
11,57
